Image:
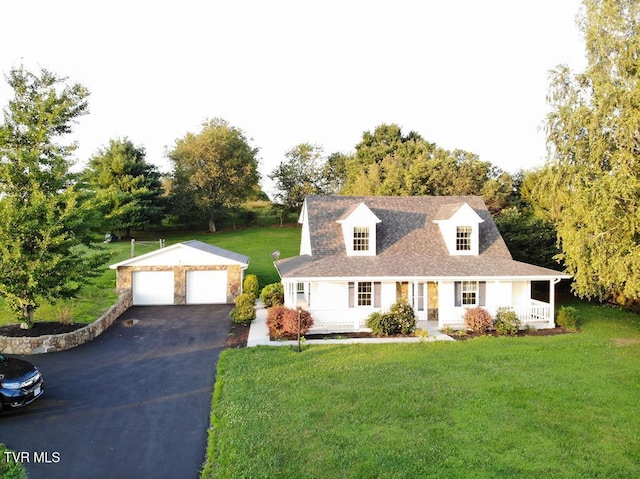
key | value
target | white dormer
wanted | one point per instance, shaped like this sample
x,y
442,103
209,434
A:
x,y
460,228
359,230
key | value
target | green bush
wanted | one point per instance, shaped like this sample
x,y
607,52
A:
x,y
244,312
506,322
10,469
380,324
567,318
400,319
478,320
272,295
283,322
250,285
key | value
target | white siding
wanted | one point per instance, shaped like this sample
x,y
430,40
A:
x,y
521,293
499,293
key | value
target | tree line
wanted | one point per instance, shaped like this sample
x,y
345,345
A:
x,y
578,212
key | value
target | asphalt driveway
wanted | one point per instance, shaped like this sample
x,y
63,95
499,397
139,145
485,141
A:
x,y
132,403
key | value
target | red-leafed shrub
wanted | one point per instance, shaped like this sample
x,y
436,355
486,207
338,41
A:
x,y
478,320
283,322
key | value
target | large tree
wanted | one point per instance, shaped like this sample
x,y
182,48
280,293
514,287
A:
x,y
590,187
46,219
299,175
128,188
214,170
388,162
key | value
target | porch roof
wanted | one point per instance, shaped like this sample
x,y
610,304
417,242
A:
x,y
410,266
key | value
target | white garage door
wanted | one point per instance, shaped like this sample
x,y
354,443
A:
x,y
206,287
152,287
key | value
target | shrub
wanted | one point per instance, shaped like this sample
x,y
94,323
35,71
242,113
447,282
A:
x,y
380,324
403,316
244,311
250,285
272,295
399,320
568,318
478,320
283,322
10,469
506,322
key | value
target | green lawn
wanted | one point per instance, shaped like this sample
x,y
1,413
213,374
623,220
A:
x,y
99,294
526,407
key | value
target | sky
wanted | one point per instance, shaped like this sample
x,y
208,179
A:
x,y
463,74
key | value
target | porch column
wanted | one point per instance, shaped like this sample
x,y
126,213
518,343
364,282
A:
x,y
552,302
289,294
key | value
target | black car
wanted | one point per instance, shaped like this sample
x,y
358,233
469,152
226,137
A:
x,y
20,383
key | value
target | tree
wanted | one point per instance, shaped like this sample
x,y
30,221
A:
x,y
387,162
590,186
128,189
213,170
46,218
299,175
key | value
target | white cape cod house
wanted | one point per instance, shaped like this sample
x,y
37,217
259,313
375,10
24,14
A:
x,y
442,253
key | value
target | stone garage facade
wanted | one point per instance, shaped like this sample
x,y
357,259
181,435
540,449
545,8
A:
x,y
191,272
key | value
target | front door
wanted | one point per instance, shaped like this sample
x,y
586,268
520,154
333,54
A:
x,y
402,291
432,301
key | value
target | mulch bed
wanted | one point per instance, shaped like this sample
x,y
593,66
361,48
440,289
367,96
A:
x,y
238,336
43,328
522,332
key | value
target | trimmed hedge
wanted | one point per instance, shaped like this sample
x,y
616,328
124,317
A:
x,y
272,295
283,322
567,318
506,322
244,312
478,320
401,319
250,285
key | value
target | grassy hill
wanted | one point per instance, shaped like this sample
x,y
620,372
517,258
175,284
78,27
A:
x,y
99,294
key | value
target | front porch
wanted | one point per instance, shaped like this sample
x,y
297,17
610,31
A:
x,y
345,306
536,315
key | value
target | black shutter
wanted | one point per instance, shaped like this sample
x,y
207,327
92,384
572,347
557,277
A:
x,y
458,293
351,294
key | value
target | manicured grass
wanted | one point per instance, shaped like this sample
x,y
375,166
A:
x,y
99,294
558,406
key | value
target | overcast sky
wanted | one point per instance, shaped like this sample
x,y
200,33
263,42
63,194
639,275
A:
x,y
464,74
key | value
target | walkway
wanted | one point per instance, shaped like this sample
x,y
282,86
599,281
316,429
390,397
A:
x,y
259,334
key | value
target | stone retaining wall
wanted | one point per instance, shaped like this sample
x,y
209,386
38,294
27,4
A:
x,y
60,342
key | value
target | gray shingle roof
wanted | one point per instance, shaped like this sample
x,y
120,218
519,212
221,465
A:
x,y
409,243
208,248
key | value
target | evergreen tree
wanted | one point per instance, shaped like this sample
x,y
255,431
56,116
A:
x,y
46,219
128,189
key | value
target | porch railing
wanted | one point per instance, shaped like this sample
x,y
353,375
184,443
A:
x,y
535,314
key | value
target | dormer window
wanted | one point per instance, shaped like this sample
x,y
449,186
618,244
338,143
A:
x,y
460,228
359,230
463,238
361,238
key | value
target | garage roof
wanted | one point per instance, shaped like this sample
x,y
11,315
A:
x,y
186,253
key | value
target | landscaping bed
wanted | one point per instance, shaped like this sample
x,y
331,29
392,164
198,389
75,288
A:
x,y
44,328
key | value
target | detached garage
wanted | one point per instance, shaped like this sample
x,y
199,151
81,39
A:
x,y
192,272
